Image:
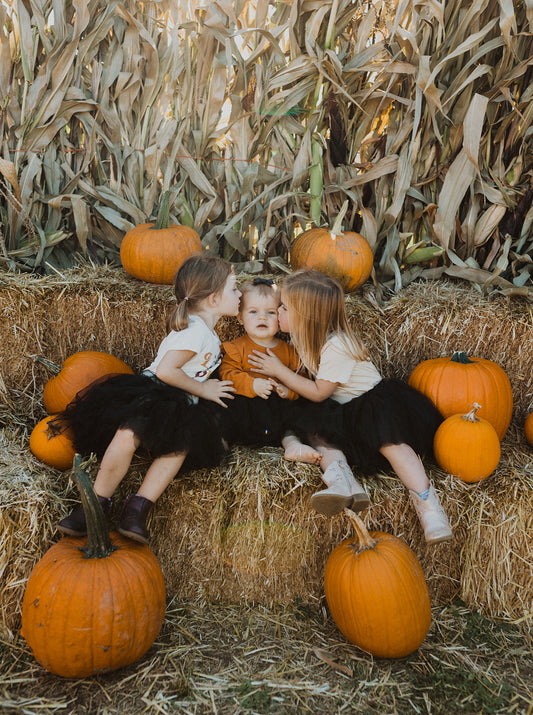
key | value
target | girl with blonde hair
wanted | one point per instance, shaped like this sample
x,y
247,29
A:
x,y
350,414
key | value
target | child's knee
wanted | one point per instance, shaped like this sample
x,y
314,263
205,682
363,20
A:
x,y
126,439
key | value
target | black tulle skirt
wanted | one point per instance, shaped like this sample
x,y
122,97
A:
x,y
392,412
163,418
255,422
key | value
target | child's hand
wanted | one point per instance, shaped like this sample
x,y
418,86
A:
x,y
265,363
262,387
216,390
282,390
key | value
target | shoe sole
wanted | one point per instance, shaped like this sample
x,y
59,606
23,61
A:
x,y
331,504
133,536
440,539
360,502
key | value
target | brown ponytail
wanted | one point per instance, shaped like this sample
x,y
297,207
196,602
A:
x,y
199,277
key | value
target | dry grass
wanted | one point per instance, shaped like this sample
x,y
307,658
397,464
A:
x,y
232,659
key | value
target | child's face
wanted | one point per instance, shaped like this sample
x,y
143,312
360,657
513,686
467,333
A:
x,y
283,315
259,315
229,297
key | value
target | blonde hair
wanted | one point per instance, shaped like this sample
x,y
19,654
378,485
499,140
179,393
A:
x,y
198,277
263,287
318,310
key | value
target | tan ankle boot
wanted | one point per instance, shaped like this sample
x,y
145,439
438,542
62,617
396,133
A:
x,y
432,517
343,491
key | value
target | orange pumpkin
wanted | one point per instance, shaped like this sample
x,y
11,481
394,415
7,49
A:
x,y
93,604
528,428
345,256
154,252
77,372
376,592
52,444
467,446
453,384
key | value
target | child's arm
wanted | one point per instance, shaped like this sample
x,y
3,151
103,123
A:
x,y
268,364
169,371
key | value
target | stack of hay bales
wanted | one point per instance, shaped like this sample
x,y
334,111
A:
x,y
244,531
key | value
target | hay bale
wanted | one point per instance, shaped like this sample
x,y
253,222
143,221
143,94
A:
x,y
244,531
105,309
31,497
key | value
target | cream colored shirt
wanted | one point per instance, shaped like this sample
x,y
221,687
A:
x,y
355,377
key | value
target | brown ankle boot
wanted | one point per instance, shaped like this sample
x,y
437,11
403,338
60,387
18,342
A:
x,y
133,518
75,525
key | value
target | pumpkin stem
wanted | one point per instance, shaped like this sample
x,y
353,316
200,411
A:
x,y
361,532
337,226
52,367
471,416
163,215
462,357
99,544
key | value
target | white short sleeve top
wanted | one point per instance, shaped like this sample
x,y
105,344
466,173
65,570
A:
x,y
198,338
355,377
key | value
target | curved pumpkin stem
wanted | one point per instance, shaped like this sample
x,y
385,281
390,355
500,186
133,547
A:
x,y
471,416
52,367
361,532
336,229
163,215
462,357
99,544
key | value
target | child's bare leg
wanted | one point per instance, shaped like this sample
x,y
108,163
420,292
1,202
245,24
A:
x,y
137,507
409,468
114,465
296,451
159,475
407,465
115,462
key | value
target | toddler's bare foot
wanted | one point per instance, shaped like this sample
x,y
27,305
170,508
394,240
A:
x,y
297,452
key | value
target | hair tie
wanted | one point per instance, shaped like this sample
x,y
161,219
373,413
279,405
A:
x,y
262,281
186,297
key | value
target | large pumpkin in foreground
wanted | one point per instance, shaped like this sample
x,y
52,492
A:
x,y
454,384
76,373
52,444
344,256
153,252
376,593
93,605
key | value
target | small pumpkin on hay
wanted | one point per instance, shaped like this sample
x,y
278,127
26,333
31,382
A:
x,y
467,446
93,604
454,383
77,372
52,444
376,592
346,256
153,252
528,428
